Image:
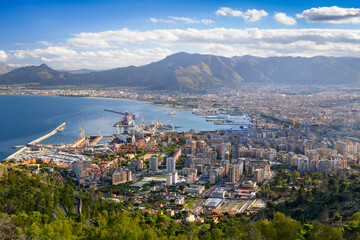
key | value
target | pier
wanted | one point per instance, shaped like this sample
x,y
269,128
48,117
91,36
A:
x,y
53,132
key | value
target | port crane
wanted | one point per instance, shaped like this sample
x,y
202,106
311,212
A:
x,y
126,122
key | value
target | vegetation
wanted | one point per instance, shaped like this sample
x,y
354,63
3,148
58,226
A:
x,y
314,196
34,207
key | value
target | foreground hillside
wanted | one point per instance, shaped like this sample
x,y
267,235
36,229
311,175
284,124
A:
x,y
183,71
32,207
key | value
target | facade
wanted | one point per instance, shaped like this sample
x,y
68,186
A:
x,y
80,167
153,162
171,178
121,176
170,164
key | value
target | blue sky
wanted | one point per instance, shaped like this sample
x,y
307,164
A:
x,y
107,34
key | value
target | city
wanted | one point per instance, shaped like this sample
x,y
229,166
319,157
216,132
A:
x,y
179,120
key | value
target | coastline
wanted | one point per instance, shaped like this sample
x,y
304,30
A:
x,y
155,102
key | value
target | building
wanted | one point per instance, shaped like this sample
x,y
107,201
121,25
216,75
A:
x,y
191,178
80,167
303,164
235,172
249,184
154,165
259,175
121,176
171,178
225,150
195,189
218,193
137,164
213,203
170,164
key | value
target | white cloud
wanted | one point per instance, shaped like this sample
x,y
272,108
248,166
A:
x,y
101,59
333,14
182,19
125,47
214,35
284,19
207,21
3,56
251,15
45,43
185,19
155,20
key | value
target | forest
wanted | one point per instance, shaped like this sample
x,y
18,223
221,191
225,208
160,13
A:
x,y
34,207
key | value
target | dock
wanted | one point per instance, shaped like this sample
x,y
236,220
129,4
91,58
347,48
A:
x,y
53,132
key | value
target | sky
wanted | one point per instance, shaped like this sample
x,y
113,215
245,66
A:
x,y
104,34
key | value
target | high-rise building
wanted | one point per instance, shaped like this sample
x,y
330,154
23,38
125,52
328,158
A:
x,y
80,167
174,177
169,179
137,164
170,164
153,164
258,175
225,150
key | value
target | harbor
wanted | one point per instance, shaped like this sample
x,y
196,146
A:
x,y
75,109
60,128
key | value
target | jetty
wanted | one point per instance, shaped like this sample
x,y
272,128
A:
x,y
53,132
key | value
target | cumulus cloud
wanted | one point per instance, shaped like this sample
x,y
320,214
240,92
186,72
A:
x,y
182,19
214,35
63,57
284,19
333,14
3,56
125,47
251,15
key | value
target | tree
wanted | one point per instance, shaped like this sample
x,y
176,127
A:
x,y
8,230
286,227
216,233
325,214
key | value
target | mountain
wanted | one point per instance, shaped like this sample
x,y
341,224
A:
x,y
79,71
4,68
178,71
183,71
37,75
299,70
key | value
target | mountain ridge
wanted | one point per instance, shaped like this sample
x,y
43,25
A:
x,y
184,71
4,68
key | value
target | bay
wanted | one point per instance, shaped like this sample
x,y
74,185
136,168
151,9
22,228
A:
x,y
24,118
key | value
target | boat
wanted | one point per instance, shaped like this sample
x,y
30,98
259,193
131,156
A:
x,y
172,112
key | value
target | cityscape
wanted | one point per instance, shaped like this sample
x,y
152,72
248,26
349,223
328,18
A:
x,y
180,120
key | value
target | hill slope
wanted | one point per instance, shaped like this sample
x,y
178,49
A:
x,y
183,71
4,68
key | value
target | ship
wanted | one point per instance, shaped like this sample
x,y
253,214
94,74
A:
x,y
172,112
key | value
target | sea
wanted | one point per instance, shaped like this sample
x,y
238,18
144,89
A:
x,y
24,118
